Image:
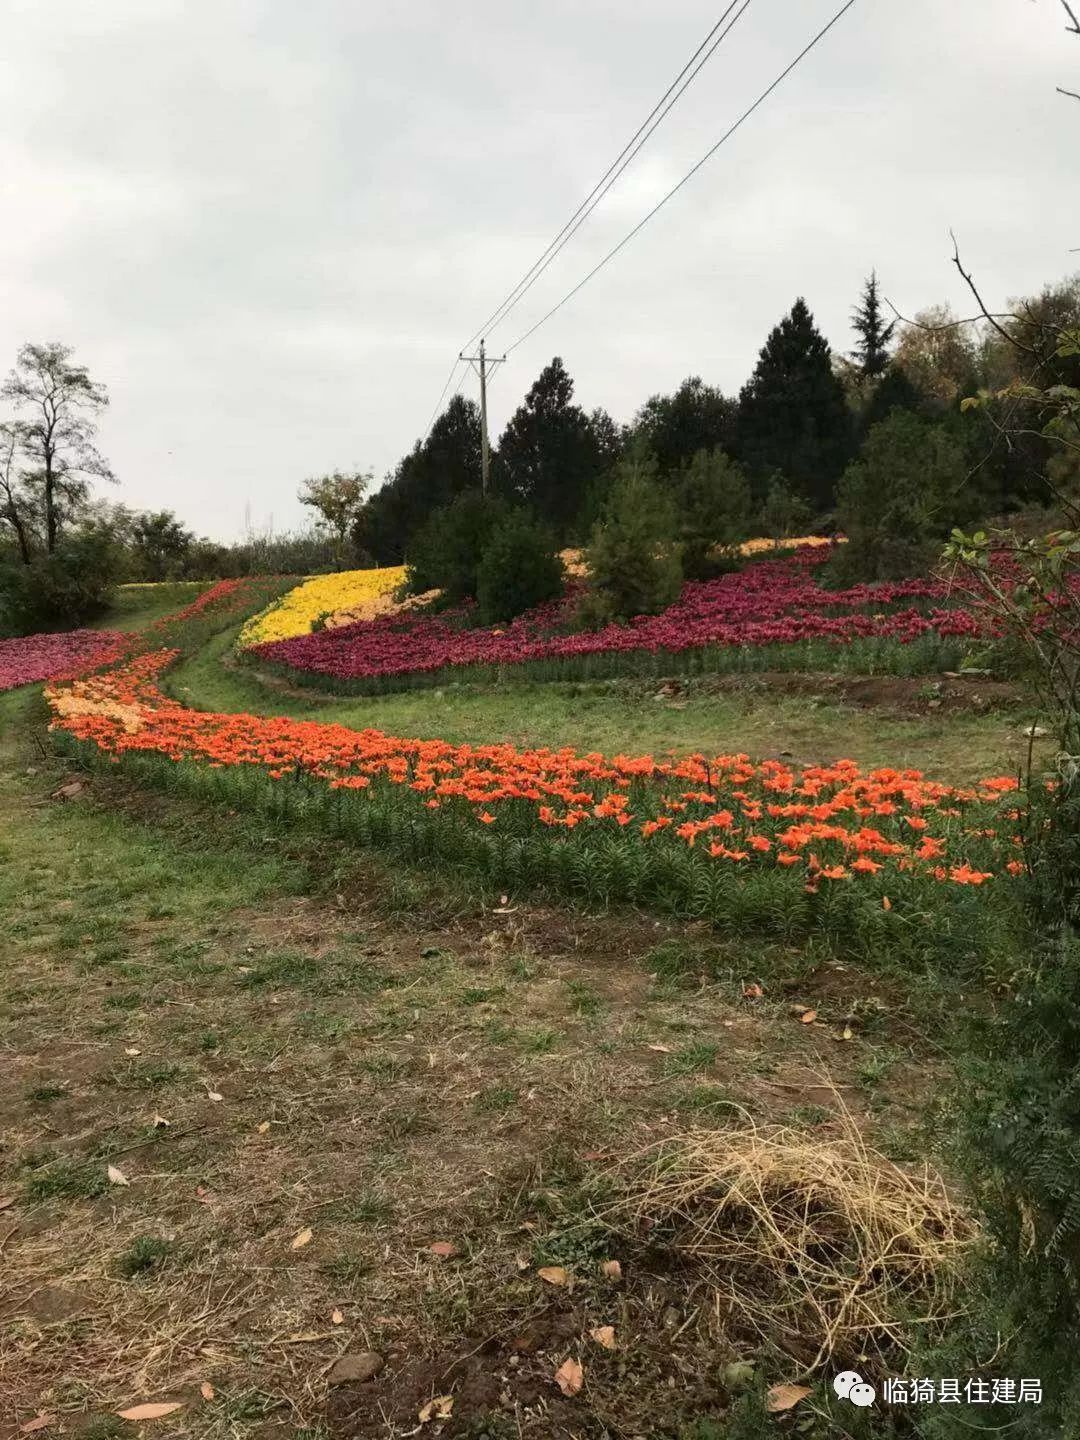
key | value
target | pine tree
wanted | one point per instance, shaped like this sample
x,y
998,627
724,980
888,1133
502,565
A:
x,y
551,452
793,416
871,351
436,470
675,427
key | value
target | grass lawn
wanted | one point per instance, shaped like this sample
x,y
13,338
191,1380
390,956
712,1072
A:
x,y
814,722
135,607
307,1068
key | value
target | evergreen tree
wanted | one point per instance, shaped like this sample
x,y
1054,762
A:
x,y
871,351
634,564
436,470
792,413
894,391
675,427
899,500
712,498
551,451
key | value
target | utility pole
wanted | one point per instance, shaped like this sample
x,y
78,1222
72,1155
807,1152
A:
x,y
483,360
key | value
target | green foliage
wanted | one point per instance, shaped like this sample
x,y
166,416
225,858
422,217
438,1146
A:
x,y
551,451
675,427
897,501
793,414
784,513
634,563
337,500
445,554
871,351
519,569
445,464
712,496
160,546
60,589
146,1253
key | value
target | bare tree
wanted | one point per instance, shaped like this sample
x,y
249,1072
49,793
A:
x,y
54,429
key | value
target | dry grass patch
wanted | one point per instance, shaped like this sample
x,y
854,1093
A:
x,y
817,1243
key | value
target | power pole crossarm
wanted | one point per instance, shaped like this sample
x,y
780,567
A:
x,y
483,360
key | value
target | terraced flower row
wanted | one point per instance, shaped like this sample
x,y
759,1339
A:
x,y
831,824
30,658
350,594
771,603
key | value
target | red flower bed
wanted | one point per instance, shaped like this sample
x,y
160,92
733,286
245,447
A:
x,y
58,657
770,603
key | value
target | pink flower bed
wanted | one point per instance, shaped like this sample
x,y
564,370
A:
x,y
62,656
773,602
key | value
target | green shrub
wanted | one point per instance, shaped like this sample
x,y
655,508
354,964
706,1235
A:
x,y
712,495
898,501
63,589
783,513
635,567
445,553
519,569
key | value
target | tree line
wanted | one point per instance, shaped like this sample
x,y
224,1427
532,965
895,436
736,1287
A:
x,y
878,442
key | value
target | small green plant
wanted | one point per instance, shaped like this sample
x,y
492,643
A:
x,y
45,1094
692,1058
68,1180
496,1098
364,1209
146,1253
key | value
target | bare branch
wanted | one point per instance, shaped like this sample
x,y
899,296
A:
x,y
1070,93
1074,28
1009,339
949,324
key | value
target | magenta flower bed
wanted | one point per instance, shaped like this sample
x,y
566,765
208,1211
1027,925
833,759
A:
x,y
773,602
57,657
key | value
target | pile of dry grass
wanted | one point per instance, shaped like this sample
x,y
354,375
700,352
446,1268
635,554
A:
x,y
820,1245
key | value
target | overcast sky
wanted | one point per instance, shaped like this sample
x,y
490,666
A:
x,y
268,227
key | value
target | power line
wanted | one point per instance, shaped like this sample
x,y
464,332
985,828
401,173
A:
x,y
449,380
689,174
652,121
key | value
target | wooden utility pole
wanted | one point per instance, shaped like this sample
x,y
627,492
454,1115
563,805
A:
x,y
480,363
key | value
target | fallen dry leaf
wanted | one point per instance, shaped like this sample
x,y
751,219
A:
x,y
156,1410
213,1095
6,1200
808,1017
117,1177
611,1269
39,1422
661,1049
438,1409
263,1128
886,903
337,1318
206,1390
604,1335
299,1241
132,1050
785,1397
594,1155
444,1249
570,1377
160,1123
848,1034
554,1274
752,992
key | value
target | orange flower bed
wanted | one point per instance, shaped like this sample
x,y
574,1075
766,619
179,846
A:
x,y
835,822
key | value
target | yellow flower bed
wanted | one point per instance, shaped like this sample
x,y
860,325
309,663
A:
x,y
364,593
755,547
